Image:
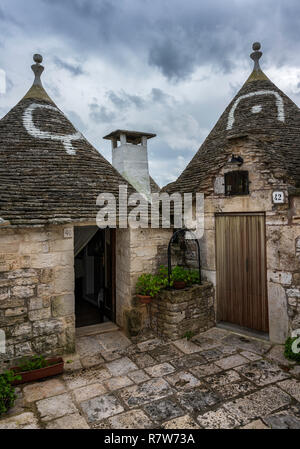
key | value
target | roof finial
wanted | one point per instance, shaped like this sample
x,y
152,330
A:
x,y
37,69
256,55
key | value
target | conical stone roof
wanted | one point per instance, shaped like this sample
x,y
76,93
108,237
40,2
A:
x,y
260,111
49,173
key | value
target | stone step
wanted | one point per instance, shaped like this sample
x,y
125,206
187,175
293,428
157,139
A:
x,y
95,329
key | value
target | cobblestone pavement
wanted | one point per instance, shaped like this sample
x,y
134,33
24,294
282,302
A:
x,y
218,380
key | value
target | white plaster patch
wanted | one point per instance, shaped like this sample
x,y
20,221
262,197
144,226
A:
x,y
39,134
278,101
256,109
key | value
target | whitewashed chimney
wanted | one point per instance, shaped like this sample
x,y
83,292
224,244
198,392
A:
x,y
130,158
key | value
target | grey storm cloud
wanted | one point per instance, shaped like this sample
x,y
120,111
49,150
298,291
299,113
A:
x,y
173,36
125,100
100,114
163,66
74,69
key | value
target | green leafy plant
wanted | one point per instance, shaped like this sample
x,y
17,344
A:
x,y
148,285
188,335
288,350
163,275
32,363
190,276
7,391
179,274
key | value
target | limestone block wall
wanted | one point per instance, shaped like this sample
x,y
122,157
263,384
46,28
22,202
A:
x,y
138,251
176,312
282,234
37,291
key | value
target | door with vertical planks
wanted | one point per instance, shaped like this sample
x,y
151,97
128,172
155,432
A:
x,y
241,270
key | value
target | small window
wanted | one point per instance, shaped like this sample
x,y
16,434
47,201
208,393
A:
x,y
236,183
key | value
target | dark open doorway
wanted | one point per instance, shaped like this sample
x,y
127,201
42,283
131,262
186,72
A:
x,y
94,275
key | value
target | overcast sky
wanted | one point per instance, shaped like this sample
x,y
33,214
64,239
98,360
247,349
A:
x,y
163,66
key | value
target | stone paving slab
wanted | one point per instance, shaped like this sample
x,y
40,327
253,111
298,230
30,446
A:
x,y
86,377
256,424
101,407
258,404
219,419
215,333
212,355
205,370
233,390
246,343
198,400
88,392
91,361
251,356
151,390
149,344
204,343
138,376
121,366
231,362
135,419
75,421
25,420
55,407
160,370
219,379
186,346
42,390
165,353
224,378
88,346
282,420
163,410
143,360
262,372
188,361
115,383
112,341
292,387
183,422
183,380
276,354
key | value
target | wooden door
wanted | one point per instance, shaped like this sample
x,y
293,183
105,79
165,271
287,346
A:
x,y
241,270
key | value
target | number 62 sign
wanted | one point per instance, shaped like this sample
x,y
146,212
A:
x,y
278,197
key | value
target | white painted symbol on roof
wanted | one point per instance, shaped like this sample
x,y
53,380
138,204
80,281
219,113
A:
x,y
256,109
39,134
278,100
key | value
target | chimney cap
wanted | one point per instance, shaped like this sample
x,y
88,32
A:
x,y
131,136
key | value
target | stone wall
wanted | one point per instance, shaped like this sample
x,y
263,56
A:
x,y
138,251
37,291
176,312
282,233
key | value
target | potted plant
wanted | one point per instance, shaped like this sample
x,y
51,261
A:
x,y
179,277
147,287
7,391
192,276
37,367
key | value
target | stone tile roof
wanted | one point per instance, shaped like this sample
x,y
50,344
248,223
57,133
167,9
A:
x,y
262,112
49,172
154,186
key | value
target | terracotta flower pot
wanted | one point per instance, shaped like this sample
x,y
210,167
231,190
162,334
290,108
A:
x,y
178,285
56,367
144,299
